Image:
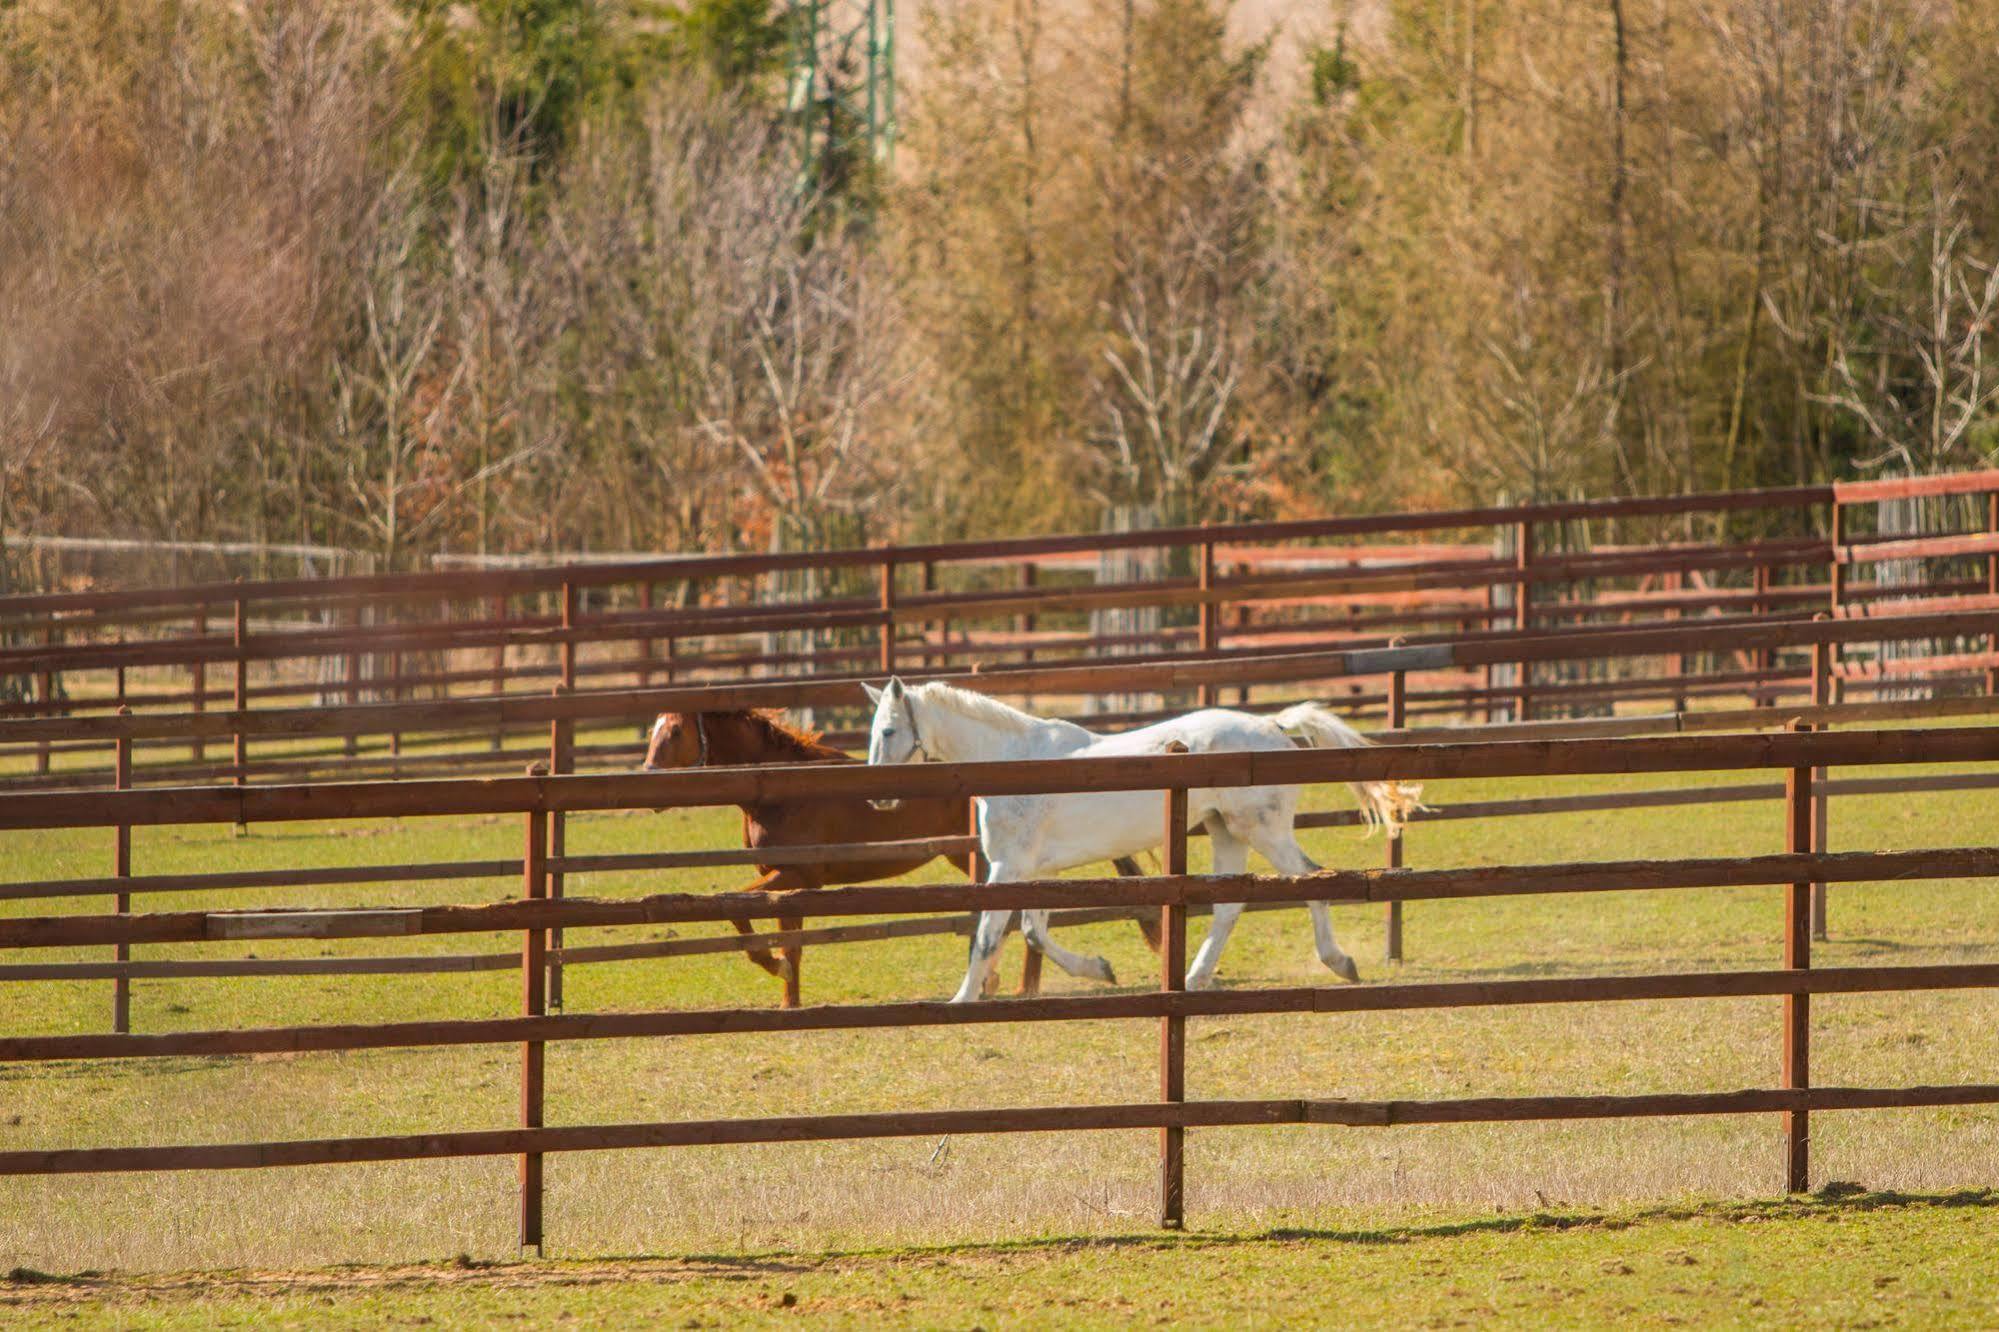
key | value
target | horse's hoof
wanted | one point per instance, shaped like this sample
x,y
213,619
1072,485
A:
x,y
1344,968
1197,981
1104,972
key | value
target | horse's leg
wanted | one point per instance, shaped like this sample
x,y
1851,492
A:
x,y
793,953
1231,856
1034,924
987,937
784,967
761,956
1148,923
1279,845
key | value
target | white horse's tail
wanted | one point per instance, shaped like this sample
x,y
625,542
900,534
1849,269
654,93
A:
x,y
1385,805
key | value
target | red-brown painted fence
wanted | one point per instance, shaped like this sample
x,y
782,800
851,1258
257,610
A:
x,y
536,798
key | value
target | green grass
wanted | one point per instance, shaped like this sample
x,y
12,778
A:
x,y
864,1195
1833,1261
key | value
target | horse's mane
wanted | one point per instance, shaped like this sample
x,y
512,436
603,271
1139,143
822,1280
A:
x,y
781,734
982,708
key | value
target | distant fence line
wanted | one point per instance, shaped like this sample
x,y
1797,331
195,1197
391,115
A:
x,y
398,636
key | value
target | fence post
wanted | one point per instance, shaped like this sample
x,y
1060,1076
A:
x,y
1676,585
198,678
1029,575
533,883
497,610
1488,625
1797,956
395,696
1173,1027
1241,619
645,644
1766,658
1992,587
45,693
569,618
121,867
1837,579
1210,619
1523,614
353,745
888,613
561,759
239,749
1821,696
1397,718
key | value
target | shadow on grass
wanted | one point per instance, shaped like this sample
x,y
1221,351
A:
x,y
1834,1199
23,1284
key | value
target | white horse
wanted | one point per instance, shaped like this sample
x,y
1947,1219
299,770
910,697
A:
x,y
1032,836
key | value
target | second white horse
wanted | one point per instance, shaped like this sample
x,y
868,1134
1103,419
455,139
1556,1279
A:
x,y
1033,836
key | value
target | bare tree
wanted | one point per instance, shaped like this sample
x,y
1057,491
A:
x,y
388,404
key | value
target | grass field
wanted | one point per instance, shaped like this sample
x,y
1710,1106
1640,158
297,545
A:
x,y
861,1196
1840,1260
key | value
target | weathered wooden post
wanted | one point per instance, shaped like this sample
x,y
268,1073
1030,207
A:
x,y
198,703
1029,577
1836,578
240,698
887,612
497,610
1173,1027
1992,587
121,867
1523,614
45,694
1241,619
645,643
533,1004
1397,718
561,760
1765,658
1821,696
353,745
1676,584
1210,618
569,620
1797,956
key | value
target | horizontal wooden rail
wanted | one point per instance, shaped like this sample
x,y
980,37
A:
x,y
1078,1008
1148,675
733,786
916,899
932,1123
487,583
480,585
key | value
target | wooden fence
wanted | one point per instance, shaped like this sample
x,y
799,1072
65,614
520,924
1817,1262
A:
x,y
444,724
535,913
404,636
558,718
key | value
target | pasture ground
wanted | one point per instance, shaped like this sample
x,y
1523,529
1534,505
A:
x,y
1840,1259
1090,1189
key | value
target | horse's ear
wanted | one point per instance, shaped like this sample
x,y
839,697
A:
x,y
874,694
895,686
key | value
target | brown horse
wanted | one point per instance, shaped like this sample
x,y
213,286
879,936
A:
x,y
731,739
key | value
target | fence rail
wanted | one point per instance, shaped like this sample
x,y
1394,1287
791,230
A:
x,y
536,914
440,721
402,636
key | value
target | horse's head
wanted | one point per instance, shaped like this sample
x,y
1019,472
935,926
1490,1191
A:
x,y
677,741
893,738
